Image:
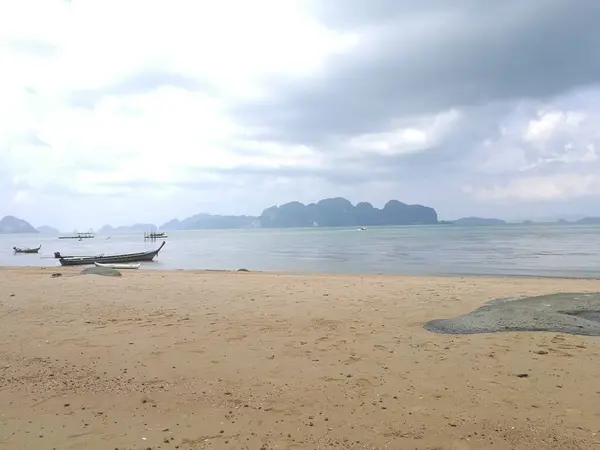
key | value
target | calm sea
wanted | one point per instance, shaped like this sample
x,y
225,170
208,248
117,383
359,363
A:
x,y
545,250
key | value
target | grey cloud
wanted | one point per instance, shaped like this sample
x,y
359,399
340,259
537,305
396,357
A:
x,y
431,57
452,154
78,161
250,175
148,184
65,191
353,14
339,175
497,62
56,190
140,82
356,168
6,178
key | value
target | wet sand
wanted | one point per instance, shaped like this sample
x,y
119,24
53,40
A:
x,y
219,360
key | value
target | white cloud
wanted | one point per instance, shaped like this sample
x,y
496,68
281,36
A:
x,y
230,42
550,123
405,136
160,135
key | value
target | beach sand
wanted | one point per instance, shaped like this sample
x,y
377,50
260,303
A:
x,y
234,360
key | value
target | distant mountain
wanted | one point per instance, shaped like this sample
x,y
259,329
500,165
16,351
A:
x,y
173,224
136,228
589,221
478,221
210,222
338,212
328,212
47,230
14,225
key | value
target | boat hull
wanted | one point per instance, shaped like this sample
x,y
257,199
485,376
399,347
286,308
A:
x,y
111,259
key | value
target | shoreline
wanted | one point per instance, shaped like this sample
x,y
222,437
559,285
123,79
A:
x,y
78,269
234,360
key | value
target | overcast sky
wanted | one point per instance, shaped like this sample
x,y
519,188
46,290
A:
x,y
141,111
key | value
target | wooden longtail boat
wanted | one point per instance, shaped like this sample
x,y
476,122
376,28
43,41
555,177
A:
x,y
26,250
109,259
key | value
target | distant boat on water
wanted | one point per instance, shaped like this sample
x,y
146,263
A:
x,y
26,249
155,235
362,229
79,236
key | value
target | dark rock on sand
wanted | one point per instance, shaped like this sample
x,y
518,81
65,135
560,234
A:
x,y
106,271
573,313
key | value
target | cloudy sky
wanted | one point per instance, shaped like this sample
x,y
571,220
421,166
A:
x,y
140,111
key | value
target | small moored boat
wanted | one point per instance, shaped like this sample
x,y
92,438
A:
x,y
26,249
155,235
79,236
109,259
119,265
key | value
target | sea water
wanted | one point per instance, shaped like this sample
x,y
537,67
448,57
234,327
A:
x,y
533,249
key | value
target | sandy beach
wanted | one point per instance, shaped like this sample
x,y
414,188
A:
x,y
220,360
